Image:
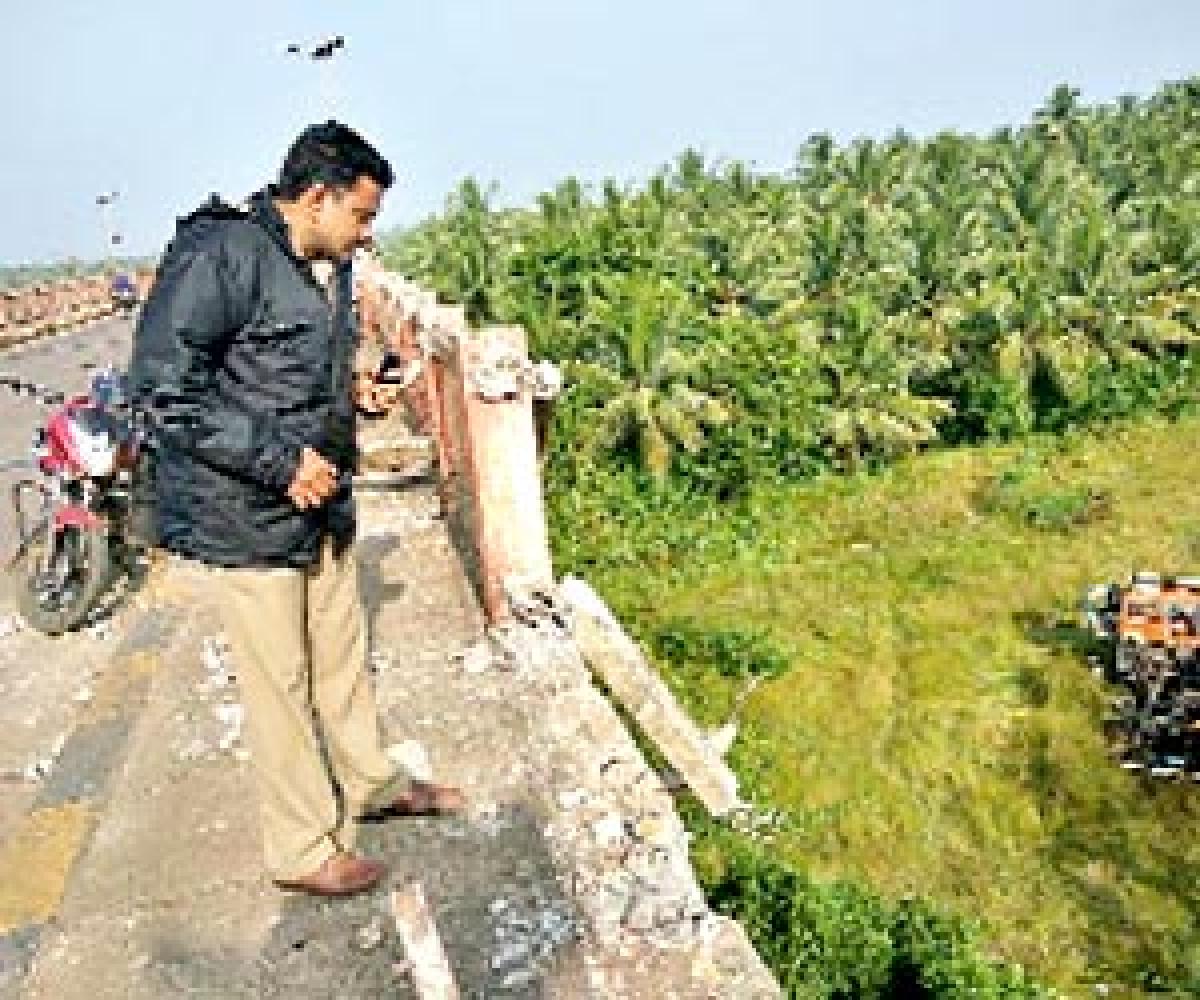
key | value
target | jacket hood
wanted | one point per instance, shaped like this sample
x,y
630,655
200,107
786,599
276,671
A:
x,y
260,207
214,209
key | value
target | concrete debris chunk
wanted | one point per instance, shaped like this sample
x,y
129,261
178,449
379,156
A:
x,y
614,655
11,625
195,750
572,798
215,655
475,658
379,660
38,770
608,831
42,767
489,818
101,631
412,759
370,936
430,969
759,824
231,716
528,937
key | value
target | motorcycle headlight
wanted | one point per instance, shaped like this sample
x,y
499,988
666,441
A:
x,y
96,448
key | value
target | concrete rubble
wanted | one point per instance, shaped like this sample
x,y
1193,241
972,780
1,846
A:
x,y
617,842
11,625
428,964
41,767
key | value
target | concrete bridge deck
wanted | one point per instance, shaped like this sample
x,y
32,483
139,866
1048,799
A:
x,y
129,857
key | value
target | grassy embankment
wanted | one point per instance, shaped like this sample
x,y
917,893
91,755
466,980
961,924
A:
x,y
938,732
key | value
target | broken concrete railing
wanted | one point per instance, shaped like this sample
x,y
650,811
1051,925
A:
x,y
472,395
471,392
613,654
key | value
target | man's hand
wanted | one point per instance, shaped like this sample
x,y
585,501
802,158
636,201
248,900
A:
x,y
314,481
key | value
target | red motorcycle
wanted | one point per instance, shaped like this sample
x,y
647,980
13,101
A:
x,y
73,522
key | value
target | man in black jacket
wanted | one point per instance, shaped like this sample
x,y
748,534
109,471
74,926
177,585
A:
x,y
242,368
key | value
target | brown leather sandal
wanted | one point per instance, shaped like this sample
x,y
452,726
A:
x,y
423,798
341,874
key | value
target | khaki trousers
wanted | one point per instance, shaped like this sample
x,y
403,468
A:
x,y
299,643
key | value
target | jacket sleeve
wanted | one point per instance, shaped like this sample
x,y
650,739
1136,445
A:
x,y
198,301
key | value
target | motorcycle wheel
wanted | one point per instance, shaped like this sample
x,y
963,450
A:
x,y
57,600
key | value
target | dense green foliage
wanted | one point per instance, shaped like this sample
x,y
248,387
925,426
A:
x,y
728,326
731,652
727,334
837,941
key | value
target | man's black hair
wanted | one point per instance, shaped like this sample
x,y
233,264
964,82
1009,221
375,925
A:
x,y
332,154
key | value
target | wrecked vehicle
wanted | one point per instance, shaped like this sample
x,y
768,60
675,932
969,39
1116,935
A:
x,y
1151,631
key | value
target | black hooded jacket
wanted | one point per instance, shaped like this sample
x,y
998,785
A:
x,y
239,361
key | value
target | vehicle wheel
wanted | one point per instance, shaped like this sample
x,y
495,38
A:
x,y
57,599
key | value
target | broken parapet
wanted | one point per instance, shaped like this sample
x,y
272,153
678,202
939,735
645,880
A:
x,y
614,655
473,396
619,846
618,843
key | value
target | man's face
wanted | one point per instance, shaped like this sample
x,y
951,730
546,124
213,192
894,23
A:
x,y
345,216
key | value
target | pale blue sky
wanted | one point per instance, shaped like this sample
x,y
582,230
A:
x,y
165,100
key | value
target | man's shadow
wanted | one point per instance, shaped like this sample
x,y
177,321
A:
x,y
379,587
376,588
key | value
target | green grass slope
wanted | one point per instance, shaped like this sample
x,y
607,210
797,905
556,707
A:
x,y
938,732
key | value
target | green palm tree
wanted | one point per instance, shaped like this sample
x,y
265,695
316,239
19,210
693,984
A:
x,y
870,363
645,378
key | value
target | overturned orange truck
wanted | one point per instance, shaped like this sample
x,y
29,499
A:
x,y
1150,629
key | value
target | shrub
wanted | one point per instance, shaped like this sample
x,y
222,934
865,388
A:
x,y
731,652
838,941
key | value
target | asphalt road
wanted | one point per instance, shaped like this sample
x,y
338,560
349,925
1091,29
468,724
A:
x,y
43,681
63,362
